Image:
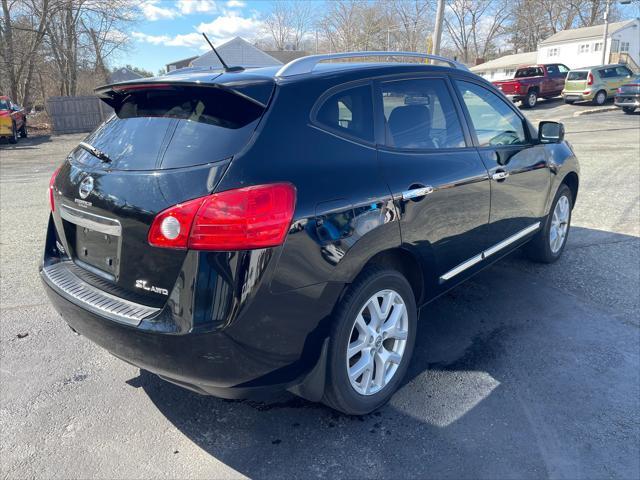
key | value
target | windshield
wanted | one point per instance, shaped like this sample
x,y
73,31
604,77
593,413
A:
x,y
171,128
529,72
4,105
577,75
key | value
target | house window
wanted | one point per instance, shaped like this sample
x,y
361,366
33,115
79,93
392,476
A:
x,y
553,52
597,47
624,47
615,46
583,48
509,72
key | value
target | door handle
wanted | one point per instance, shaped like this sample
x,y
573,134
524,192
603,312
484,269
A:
x,y
499,176
416,193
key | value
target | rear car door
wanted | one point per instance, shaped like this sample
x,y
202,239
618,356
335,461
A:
x,y
623,74
439,184
520,177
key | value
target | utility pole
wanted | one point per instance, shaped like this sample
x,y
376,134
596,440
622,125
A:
x,y
606,31
437,32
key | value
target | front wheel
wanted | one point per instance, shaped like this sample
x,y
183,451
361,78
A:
x,y
628,110
548,244
371,342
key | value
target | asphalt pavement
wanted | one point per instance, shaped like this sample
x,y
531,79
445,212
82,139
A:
x,y
526,371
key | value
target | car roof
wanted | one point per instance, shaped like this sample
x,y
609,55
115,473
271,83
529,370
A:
x,y
595,67
353,70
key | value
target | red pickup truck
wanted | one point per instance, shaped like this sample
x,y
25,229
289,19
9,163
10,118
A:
x,y
533,82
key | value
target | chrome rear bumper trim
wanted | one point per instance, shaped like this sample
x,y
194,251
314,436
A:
x,y
97,223
73,288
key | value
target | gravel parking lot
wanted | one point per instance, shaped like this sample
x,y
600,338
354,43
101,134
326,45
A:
x,y
525,371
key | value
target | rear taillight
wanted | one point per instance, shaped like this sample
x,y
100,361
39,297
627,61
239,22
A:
x,y
590,79
52,182
240,219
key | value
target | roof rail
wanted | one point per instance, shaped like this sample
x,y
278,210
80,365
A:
x,y
304,65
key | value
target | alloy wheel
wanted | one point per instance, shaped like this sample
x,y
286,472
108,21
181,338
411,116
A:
x,y
559,224
601,98
377,342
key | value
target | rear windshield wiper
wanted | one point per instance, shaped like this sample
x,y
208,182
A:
x,y
95,152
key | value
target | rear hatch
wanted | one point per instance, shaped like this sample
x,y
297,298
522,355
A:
x,y
576,81
166,143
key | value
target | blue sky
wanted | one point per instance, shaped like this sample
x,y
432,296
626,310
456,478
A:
x,y
170,29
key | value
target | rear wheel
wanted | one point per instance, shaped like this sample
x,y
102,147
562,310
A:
x,y
14,134
600,98
23,130
371,342
628,110
548,244
531,99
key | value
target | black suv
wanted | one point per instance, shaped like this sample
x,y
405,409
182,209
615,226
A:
x,y
237,232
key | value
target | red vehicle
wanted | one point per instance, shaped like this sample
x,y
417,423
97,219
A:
x,y
533,82
13,120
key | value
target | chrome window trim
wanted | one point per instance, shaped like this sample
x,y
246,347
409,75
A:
x,y
488,252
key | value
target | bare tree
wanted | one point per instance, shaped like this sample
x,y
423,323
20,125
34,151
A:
x,y
288,22
354,25
475,25
411,22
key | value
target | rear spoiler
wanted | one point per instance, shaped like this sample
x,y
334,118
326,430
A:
x,y
257,91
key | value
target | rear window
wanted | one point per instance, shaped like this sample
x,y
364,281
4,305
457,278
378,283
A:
x,y
172,128
529,72
577,75
4,105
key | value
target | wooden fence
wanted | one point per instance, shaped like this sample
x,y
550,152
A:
x,y
76,114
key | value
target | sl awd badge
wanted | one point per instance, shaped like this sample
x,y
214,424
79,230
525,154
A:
x,y
86,187
150,288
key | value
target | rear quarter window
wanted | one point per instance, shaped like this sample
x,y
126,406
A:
x,y
348,112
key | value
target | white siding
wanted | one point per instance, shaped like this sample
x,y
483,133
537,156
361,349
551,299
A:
x,y
588,52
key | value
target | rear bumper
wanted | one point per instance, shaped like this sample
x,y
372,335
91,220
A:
x,y
577,96
271,347
514,98
627,100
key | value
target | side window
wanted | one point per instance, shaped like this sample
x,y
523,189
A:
x,y
564,70
493,119
420,114
349,111
552,70
623,72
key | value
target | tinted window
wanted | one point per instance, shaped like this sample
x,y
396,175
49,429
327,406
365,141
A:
x,y
607,72
420,114
349,111
552,70
4,105
493,119
623,71
529,72
577,75
173,128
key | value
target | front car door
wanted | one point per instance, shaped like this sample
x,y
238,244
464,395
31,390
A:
x,y
517,165
439,184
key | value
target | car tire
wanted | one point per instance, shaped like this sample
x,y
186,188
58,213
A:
x,y
628,110
548,244
23,131
531,99
600,98
14,134
569,102
347,390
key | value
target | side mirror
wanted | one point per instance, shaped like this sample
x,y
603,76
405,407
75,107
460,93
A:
x,y
550,132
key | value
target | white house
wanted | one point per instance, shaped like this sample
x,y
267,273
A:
x,y
504,67
236,52
582,47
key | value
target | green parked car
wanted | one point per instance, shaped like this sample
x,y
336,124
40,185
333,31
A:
x,y
595,84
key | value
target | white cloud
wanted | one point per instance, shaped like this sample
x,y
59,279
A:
x,y
230,25
187,7
153,12
182,40
236,4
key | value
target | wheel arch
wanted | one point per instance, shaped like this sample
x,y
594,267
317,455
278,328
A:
x,y
572,181
406,263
